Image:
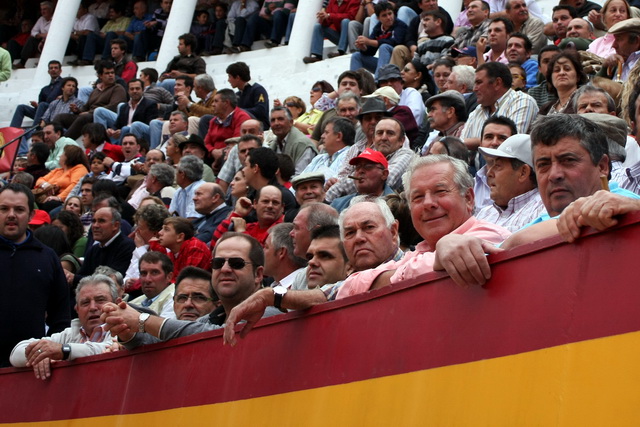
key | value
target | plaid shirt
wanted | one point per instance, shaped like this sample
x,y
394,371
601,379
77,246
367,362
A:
x,y
518,106
520,211
60,107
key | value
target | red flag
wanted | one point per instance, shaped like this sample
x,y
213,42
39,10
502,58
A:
x,y
8,155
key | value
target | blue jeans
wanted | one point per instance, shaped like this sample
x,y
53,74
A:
x,y
22,111
139,129
155,132
168,84
359,60
256,27
105,117
384,56
287,35
406,14
279,29
84,93
338,38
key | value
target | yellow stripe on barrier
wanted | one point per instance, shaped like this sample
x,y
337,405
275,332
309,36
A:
x,y
586,383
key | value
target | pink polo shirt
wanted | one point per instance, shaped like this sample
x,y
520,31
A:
x,y
421,260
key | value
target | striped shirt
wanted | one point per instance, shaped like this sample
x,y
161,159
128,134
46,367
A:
x,y
60,107
520,211
518,106
628,178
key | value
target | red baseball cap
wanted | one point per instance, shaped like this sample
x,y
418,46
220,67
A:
x,y
40,217
372,156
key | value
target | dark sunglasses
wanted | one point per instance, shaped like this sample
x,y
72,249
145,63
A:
x,y
235,263
316,89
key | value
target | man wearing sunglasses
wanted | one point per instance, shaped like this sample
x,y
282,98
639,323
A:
x,y
238,264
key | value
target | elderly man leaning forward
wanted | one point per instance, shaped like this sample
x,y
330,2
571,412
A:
x,y
238,266
85,336
441,197
571,161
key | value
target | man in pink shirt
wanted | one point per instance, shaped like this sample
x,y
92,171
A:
x,y
440,194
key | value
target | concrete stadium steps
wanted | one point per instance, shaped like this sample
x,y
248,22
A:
x,y
276,69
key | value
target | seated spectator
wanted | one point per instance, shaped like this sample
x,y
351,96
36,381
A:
x,y
478,17
541,92
156,273
39,33
155,28
233,279
416,75
465,56
62,105
73,166
84,24
220,29
370,238
135,33
204,89
70,223
561,15
338,135
36,159
94,138
152,91
16,42
194,296
499,30
496,98
447,116
117,125
112,247
451,146
176,239
188,178
238,187
85,336
612,12
130,165
387,34
279,261
439,41
185,63
371,173
157,182
252,96
194,146
160,131
228,118
36,109
96,41
269,211
149,220
208,201
519,76
203,30
290,141
333,23
566,75
402,113
106,94
125,69
510,175
251,131
262,23
327,259
307,121
389,75
282,23
309,188
523,22
519,52
239,13
261,165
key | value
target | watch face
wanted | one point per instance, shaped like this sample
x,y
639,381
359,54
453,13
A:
x,y
280,290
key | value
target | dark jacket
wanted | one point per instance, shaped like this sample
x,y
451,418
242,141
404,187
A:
x,y
146,111
33,292
206,225
117,256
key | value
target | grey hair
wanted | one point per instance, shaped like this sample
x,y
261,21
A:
x,y
192,167
320,214
108,271
386,213
205,81
96,279
461,176
182,114
590,88
287,113
347,96
281,238
164,173
466,75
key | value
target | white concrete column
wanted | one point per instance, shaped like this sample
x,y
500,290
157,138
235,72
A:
x,y
179,22
300,41
57,39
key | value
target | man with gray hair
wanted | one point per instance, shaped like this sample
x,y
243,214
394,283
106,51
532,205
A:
x,y
188,178
280,262
369,233
112,247
462,79
85,336
158,182
205,89
290,141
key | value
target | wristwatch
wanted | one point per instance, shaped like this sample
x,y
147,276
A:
x,y
278,293
143,318
66,351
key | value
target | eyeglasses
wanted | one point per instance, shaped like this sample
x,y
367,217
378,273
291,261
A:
x,y
517,76
196,298
290,104
316,89
235,263
369,166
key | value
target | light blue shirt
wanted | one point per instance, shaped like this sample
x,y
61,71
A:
x,y
328,165
182,202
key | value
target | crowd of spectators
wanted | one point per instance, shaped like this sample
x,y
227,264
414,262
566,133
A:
x,y
153,205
